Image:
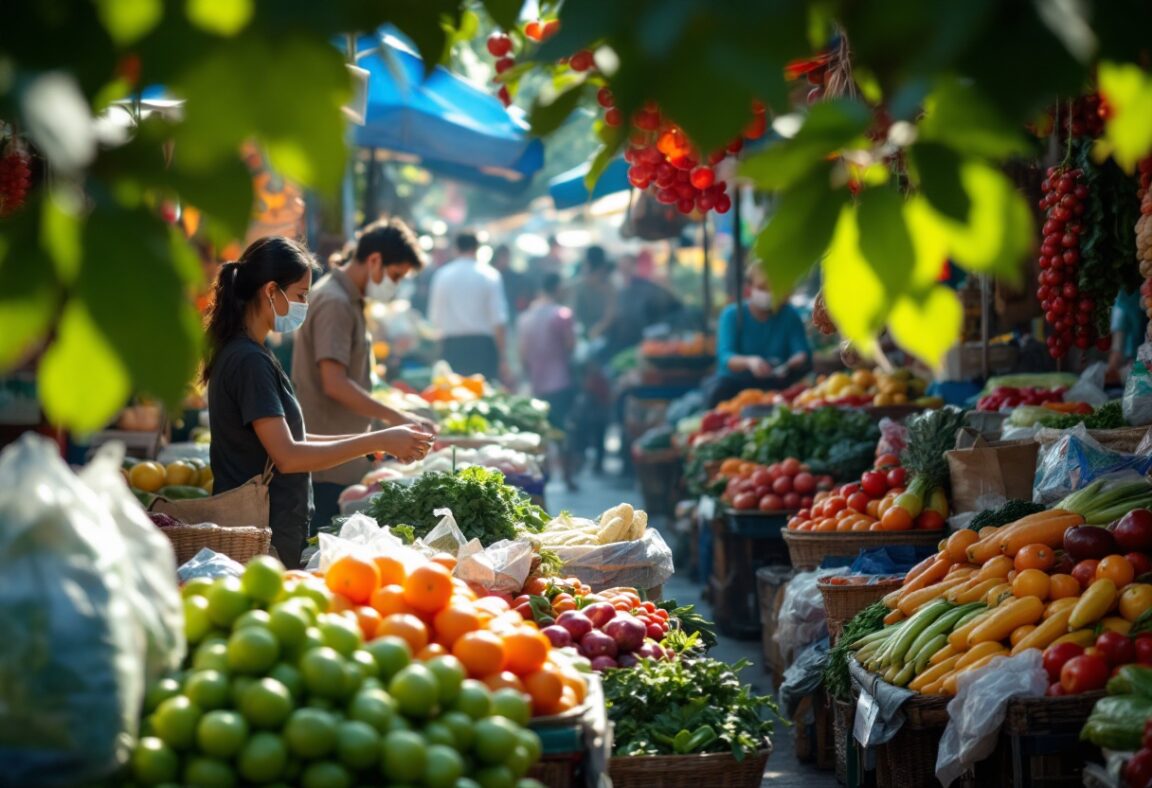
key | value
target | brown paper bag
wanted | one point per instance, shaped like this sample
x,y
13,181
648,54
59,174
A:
x,y
981,467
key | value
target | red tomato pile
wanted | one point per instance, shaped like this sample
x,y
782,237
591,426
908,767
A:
x,y
786,486
866,505
1011,397
1073,669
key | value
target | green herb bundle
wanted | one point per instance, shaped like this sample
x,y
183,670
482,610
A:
x,y
837,682
484,506
685,706
837,441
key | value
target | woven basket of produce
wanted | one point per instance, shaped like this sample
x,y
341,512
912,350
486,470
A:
x,y
846,595
714,770
808,549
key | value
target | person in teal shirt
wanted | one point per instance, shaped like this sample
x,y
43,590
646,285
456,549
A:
x,y
758,346
1129,323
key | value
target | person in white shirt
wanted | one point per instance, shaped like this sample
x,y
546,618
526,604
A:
x,y
468,308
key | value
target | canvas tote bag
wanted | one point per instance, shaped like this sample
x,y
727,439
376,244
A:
x,y
240,506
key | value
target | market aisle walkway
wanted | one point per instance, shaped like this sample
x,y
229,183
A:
x,y
598,493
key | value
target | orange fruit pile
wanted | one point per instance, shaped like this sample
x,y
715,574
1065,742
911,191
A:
x,y
438,614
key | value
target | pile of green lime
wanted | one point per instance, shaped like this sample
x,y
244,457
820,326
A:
x,y
278,691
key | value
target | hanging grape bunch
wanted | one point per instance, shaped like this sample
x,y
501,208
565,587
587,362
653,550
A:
x,y
15,176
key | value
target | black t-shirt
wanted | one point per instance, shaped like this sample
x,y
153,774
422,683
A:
x,y
248,384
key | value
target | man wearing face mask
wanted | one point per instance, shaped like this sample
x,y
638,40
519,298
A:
x,y
758,346
332,360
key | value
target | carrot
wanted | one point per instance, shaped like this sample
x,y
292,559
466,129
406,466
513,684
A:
x,y
894,616
990,546
1049,532
933,574
917,570
910,603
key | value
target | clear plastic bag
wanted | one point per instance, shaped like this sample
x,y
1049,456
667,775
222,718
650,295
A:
x,y
446,537
1090,387
88,616
893,437
643,563
802,620
210,564
1076,460
1137,402
977,712
501,567
359,535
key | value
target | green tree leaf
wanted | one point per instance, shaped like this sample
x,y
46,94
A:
x,y
139,298
928,325
29,290
955,114
222,17
855,295
938,172
505,13
552,109
1128,130
830,126
82,379
296,115
998,234
798,232
128,21
884,238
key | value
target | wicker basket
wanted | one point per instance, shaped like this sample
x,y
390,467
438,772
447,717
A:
x,y
1033,715
558,771
842,602
714,770
240,543
807,549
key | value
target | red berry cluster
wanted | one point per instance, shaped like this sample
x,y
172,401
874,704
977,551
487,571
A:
x,y
1088,115
500,47
664,160
15,177
1070,312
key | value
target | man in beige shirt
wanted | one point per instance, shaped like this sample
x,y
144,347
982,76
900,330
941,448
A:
x,y
332,357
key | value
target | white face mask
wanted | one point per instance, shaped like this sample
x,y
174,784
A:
x,y
382,291
297,311
760,299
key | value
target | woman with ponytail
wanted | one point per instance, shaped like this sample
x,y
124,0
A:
x,y
252,407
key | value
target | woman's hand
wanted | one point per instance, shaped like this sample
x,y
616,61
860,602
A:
x,y
759,367
407,442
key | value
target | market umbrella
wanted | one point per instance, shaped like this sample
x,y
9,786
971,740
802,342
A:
x,y
568,190
447,124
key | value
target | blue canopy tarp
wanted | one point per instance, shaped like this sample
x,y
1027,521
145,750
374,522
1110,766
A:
x,y
450,125
568,190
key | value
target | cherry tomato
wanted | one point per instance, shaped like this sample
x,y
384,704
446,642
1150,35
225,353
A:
x,y
1116,648
745,501
897,477
1143,645
655,632
874,484
1056,656
1085,673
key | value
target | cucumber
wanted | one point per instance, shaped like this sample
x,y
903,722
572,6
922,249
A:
x,y
181,492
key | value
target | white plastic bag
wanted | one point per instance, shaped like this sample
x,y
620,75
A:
x,y
501,568
643,563
359,535
86,616
1137,402
802,619
977,712
1090,387
446,537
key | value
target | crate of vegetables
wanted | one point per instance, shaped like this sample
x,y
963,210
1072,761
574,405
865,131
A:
x,y
846,595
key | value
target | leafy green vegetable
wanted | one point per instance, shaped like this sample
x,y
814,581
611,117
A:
x,y
484,506
836,679
1109,416
467,424
830,439
1010,512
930,435
690,621
501,412
655,702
